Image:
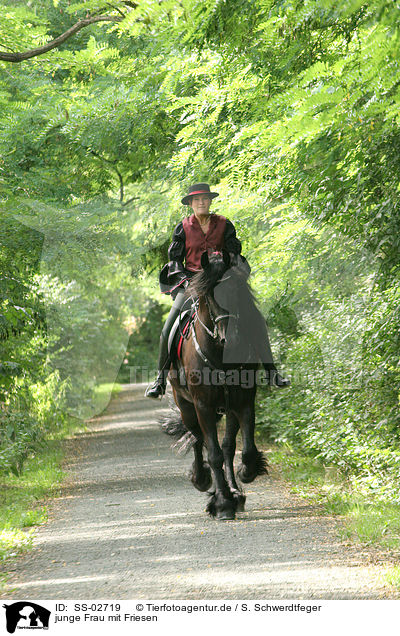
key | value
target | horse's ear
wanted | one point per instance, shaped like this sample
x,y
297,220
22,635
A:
x,y
204,260
226,257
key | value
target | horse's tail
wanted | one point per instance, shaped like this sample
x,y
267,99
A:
x,y
173,426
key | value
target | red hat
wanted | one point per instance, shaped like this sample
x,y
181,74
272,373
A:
x,y
199,188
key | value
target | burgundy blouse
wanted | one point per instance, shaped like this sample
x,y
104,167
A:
x,y
188,244
197,242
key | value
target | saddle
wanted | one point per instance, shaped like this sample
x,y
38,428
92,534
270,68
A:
x,y
179,331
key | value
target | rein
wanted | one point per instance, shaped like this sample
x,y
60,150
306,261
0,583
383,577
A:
x,y
214,334
212,366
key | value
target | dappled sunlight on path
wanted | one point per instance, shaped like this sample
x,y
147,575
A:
x,y
128,524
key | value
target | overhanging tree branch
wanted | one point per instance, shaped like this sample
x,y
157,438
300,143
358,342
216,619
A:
x,y
113,163
130,201
116,9
26,55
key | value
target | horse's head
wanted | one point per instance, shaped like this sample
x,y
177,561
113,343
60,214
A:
x,y
219,288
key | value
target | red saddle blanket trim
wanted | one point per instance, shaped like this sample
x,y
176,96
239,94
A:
x,y
186,327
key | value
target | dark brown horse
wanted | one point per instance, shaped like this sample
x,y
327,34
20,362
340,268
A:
x,y
216,383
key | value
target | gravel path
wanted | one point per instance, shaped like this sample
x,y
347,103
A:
x,y
129,524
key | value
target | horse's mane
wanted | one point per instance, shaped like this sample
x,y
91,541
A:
x,y
203,283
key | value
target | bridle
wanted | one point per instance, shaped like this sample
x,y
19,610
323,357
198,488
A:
x,y
214,334
214,319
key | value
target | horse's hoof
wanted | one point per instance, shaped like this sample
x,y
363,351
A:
x,y
240,500
220,509
259,466
225,515
206,481
202,486
245,476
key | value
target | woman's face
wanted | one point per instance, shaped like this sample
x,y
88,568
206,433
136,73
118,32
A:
x,y
200,204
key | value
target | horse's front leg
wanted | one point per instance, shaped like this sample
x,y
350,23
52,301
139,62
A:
x,y
222,504
200,474
229,449
253,460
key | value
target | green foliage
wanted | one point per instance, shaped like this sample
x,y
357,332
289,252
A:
x,y
366,518
291,109
142,347
22,496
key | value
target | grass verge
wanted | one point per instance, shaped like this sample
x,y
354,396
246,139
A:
x,y
22,498
366,518
101,395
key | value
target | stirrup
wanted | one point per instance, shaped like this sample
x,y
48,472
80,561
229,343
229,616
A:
x,y
279,381
274,378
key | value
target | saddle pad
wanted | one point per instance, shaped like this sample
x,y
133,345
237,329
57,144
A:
x,y
184,330
173,334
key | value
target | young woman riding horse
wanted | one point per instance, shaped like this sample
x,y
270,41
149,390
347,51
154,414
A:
x,y
209,385
198,233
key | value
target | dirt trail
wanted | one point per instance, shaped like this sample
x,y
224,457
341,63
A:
x,y
129,524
